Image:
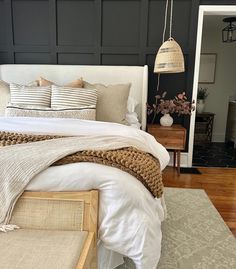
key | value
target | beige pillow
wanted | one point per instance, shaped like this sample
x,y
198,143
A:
x,y
4,96
78,83
112,101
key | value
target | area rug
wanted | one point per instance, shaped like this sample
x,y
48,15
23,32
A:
x,y
194,234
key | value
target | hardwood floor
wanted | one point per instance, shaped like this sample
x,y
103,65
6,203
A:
x,y
219,184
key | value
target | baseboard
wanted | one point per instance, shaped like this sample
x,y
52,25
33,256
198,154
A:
x,y
183,159
218,137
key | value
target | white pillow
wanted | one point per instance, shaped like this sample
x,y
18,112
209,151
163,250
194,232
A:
x,y
30,95
85,113
131,115
131,104
132,119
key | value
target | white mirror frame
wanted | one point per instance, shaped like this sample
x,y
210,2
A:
x,y
203,10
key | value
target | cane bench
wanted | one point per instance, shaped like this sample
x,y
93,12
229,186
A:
x,y
58,230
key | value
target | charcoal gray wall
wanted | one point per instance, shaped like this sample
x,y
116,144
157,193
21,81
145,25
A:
x,y
107,32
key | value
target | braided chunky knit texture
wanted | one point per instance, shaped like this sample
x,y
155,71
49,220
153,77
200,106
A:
x,y
139,164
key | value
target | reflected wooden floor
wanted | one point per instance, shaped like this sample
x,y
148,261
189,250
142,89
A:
x,y
219,184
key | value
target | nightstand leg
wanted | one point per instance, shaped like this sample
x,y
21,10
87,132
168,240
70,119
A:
x,y
178,162
174,158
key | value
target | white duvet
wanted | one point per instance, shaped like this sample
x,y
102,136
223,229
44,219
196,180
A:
x,y
129,217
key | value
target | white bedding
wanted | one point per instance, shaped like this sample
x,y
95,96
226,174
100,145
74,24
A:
x,y
130,218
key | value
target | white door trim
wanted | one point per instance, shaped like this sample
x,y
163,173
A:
x,y
203,10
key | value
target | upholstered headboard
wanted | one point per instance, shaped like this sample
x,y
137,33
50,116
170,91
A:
x,y
61,74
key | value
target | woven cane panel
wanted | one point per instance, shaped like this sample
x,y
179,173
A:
x,y
48,214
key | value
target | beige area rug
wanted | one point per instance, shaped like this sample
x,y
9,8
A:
x,y
194,234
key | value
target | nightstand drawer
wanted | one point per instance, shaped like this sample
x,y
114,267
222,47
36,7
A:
x,y
171,143
170,137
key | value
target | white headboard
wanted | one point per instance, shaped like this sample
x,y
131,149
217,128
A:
x,y
61,74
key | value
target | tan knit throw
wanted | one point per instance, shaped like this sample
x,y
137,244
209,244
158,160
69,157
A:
x,y
139,164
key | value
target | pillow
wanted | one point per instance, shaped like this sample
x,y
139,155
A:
x,y
30,95
72,97
85,113
132,119
112,101
131,104
4,96
78,83
131,115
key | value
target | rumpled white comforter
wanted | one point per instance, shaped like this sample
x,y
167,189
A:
x,y
129,218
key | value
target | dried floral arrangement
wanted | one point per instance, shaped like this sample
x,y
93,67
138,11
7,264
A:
x,y
178,105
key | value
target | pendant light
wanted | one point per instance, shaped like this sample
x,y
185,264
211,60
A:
x,y
229,32
169,58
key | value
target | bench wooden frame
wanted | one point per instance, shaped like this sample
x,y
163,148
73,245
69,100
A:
x,y
88,256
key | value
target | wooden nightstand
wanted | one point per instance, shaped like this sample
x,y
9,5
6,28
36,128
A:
x,y
172,138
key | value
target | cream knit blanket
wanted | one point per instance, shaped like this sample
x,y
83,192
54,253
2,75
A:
x,y
20,163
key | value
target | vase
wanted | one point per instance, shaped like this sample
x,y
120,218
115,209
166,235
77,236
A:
x,y
200,106
166,120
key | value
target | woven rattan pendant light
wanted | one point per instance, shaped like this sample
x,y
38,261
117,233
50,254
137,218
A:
x,y
169,58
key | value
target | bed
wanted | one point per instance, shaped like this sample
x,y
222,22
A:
x,y
130,217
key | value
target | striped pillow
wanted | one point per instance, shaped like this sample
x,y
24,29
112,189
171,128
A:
x,y
83,113
30,95
72,97
4,96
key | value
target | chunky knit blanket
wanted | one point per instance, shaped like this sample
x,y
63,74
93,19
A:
x,y
21,158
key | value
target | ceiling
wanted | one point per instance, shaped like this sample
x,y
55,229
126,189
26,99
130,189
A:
x,y
215,21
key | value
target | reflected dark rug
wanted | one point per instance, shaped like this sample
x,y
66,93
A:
x,y
189,170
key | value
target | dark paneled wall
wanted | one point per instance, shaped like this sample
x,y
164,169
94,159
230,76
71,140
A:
x,y
108,32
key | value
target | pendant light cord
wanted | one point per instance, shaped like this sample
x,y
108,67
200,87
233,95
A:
x,y
163,36
163,39
164,30
171,17
165,21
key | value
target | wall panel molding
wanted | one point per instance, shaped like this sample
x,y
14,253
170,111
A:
x,y
75,22
97,27
30,22
118,32
9,30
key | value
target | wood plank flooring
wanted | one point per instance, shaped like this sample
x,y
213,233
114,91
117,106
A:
x,y
219,184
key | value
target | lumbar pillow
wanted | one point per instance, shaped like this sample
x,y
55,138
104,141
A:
x,y
29,96
85,113
78,83
112,101
4,96
72,97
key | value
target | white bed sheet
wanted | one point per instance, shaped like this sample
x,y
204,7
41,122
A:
x,y
129,218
